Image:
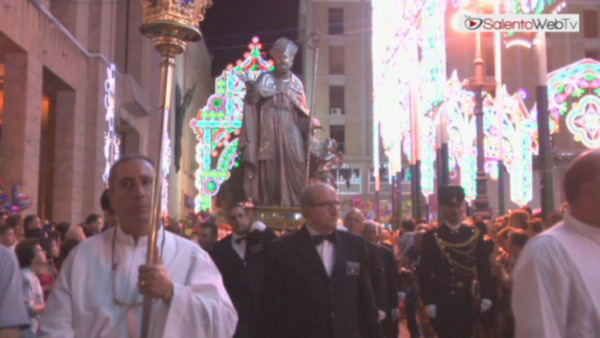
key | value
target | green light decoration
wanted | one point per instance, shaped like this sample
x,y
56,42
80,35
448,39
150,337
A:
x,y
218,125
574,94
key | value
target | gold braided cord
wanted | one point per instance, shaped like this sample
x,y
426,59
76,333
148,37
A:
x,y
468,246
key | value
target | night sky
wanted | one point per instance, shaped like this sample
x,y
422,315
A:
x,y
230,25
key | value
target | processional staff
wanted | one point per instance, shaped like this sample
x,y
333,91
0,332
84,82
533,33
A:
x,y
171,24
313,42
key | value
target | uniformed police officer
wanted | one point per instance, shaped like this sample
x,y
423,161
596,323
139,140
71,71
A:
x,y
452,257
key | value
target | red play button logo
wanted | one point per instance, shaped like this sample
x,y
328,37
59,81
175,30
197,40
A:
x,y
473,23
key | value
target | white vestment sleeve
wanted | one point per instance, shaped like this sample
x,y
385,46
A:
x,y
57,319
201,307
540,292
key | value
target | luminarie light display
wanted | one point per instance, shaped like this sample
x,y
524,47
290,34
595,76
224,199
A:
x,y
574,93
218,124
400,30
111,138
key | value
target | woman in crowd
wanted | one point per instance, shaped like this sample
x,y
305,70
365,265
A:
x,y
47,272
31,255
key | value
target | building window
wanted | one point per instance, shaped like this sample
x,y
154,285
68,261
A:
x,y
336,100
590,24
592,54
338,133
336,60
336,21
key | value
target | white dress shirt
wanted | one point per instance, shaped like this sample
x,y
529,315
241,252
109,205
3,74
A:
x,y
326,250
556,283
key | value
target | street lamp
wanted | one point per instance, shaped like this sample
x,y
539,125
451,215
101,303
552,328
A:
x,y
477,84
171,24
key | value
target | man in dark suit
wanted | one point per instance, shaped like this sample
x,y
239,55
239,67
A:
x,y
242,261
452,256
354,222
390,271
320,286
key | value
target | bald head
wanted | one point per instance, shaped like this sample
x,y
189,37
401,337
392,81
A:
x,y
308,195
583,172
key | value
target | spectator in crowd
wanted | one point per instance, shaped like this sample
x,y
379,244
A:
x,y
93,225
30,223
518,219
16,224
7,236
3,217
452,257
535,226
62,229
407,240
319,280
75,233
13,314
110,219
65,249
390,270
208,235
242,260
46,272
189,297
30,256
556,278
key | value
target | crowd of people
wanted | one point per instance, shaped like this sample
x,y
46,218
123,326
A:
x,y
339,275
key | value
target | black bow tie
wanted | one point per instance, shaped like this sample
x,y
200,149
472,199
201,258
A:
x,y
239,240
318,239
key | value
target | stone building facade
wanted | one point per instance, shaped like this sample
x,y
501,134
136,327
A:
x,y
53,66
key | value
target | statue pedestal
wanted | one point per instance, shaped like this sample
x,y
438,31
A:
x,y
279,218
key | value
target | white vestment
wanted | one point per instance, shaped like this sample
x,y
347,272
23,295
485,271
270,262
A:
x,y
96,294
556,289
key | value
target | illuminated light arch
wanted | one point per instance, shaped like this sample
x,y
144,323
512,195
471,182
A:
x,y
400,72
218,124
575,89
458,110
111,137
514,141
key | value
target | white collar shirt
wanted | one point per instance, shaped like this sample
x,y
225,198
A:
x,y
326,251
556,282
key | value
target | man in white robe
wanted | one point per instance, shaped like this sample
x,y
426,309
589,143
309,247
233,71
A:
x,y
100,288
556,281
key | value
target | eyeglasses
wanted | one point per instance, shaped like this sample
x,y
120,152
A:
x,y
329,204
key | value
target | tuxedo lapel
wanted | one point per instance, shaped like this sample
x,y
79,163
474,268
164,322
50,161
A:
x,y
308,251
341,255
232,255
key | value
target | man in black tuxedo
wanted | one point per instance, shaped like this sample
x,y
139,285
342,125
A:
x,y
320,285
452,256
390,270
242,260
354,222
